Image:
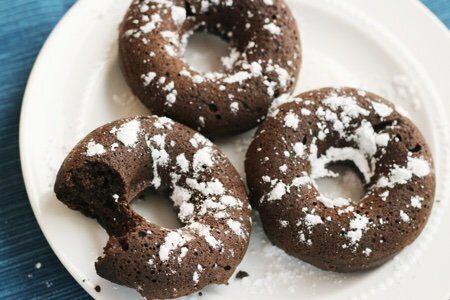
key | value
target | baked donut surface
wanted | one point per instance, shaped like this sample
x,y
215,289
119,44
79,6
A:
x,y
297,144
116,162
263,63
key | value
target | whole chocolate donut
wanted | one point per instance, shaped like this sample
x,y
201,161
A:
x,y
296,145
263,64
116,162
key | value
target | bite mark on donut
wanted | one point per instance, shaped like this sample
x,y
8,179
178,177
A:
x,y
117,162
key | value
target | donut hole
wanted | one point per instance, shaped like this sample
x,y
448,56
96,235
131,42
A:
x,y
347,184
157,209
204,52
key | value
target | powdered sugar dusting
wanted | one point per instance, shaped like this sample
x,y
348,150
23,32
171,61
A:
x,y
401,175
235,226
172,241
272,28
291,120
416,202
313,220
205,231
357,227
128,133
405,218
382,109
94,149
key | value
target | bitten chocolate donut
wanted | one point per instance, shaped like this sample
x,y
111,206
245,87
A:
x,y
263,63
296,145
116,162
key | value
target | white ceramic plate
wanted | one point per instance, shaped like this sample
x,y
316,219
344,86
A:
x,y
76,86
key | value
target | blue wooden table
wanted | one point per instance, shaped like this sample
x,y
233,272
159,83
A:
x,y
28,267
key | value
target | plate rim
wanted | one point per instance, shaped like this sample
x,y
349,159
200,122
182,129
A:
x,y
27,99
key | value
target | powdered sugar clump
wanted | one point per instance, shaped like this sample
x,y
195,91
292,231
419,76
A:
x,y
319,165
357,227
401,175
155,19
334,202
291,120
405,218
128,133
198,140
272,28
348,105
313,220
228,61
203,158
159,155
205,231
367,252
382,109
172,241
416,201
277,192
178,15
94,149
180,197
148,78
163,123
182,162
418,166
214,187
282,99
235,226
195,277
299,149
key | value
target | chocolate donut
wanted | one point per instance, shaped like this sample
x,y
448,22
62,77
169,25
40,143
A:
x,y
263,64
299,142
116,162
